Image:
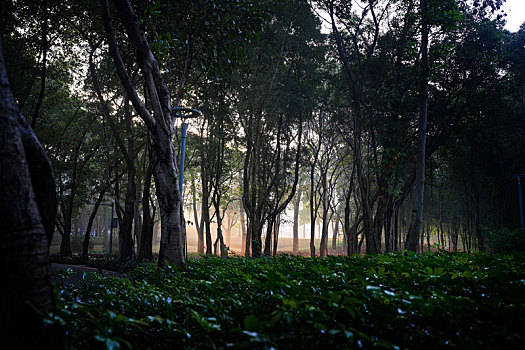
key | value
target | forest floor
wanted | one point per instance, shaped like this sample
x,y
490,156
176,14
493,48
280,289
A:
x,y
75,273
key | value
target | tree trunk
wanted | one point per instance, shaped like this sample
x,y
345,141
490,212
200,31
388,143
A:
x,y
335,235
277,226
268,238
313,208
243,231
220,239
296,205
24,264
351,238
159,124
85,243
146,236
206,221
125,237
198,224
323,247
65,242
415,227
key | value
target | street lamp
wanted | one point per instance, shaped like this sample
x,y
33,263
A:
x,y
113,223
519,176
184,113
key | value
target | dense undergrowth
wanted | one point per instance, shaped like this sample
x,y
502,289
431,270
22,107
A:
x,y
438,300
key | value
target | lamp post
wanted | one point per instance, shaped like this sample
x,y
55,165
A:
x,y
112,224
519,176
184,113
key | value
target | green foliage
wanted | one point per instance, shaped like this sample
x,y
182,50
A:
x,y
392,301
505,240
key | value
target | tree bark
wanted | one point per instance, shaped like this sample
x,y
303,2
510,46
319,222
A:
x,y
24,262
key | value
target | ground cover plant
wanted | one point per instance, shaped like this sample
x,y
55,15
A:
x,y
433,300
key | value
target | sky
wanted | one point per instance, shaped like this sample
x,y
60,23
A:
x,y
515,10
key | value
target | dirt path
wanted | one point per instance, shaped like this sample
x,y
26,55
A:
x,y
77,273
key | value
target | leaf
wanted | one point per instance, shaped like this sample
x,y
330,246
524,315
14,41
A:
x,y
108,342
252,323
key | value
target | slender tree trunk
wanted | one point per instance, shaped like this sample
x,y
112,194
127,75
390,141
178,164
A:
x,y
323,247
219,241
65,242
126,225
277,226
396,230
146,236
296,205
313,211
351,238
243,231
428,238
268,238
85,243
198,225
422,237
415,228
206,222
335,234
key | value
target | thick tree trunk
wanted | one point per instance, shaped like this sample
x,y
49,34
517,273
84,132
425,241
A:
x,y
166,184
24,264
159,124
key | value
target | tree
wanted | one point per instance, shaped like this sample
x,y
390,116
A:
x,y
159,124
27,214
275,95
415,227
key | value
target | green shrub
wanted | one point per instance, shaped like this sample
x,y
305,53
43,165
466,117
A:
x,y
503,240
436,300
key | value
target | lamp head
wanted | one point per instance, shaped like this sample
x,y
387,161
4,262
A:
x,y
184,113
